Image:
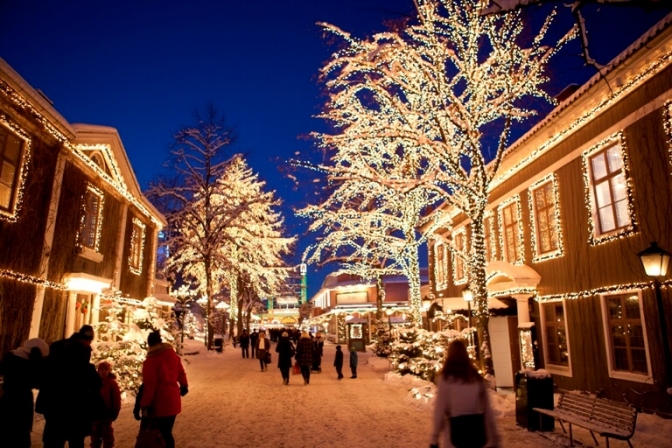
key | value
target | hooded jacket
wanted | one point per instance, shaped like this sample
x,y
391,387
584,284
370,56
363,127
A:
x,y
162,377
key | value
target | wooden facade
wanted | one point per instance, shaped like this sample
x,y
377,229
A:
x,y
589,188
74,225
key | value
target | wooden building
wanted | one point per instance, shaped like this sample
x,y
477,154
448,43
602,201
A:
x,y
74,225
576,199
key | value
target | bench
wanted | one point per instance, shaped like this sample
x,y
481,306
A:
x,y
608,418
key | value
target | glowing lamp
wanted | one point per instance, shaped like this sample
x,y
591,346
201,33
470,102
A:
x,y
467,295
426,303
389,311
655,260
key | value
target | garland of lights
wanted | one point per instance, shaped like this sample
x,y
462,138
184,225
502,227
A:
x,y
90,188
12,215
667,124
461,232
520,250
119,187
590,202
653,69
29,279
526,350
601,290
138,226
440,266
559,252
489,222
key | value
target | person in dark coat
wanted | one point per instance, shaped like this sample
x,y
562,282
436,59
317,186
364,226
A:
x,y
338,362
20,369
244,340
263,346
353,362
285,351
318,348
164,381
70,395
102,433
253,342
304,356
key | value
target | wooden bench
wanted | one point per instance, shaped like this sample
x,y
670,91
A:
x,y
609,419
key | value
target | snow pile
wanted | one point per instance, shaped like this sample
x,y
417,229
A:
x,y
379,364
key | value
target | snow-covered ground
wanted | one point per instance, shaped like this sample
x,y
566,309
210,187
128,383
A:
x,y
233,404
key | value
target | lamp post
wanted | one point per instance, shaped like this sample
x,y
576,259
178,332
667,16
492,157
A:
x,y
468,297
655,261
389,318
426,303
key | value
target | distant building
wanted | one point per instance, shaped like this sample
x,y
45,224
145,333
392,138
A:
x,y
74,225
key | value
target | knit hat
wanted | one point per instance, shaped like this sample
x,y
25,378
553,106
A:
x,y
154,338
86,332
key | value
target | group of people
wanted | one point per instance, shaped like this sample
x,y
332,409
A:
x,y
79,399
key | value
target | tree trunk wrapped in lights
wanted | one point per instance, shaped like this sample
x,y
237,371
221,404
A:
x,y
427,107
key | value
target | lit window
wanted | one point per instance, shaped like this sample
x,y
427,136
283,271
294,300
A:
x,y
92,219
137,246
489,236
626,336
459,244
610,200
511,232
440,265
546,238
555,334
11,157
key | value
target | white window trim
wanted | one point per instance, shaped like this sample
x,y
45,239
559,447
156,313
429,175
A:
x,y
453,258
443,282
521,236
617,374
91,254
142,228
554,368
17,199
538,257
489,222
99,228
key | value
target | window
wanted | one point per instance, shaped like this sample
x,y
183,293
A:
x,y
511,233
489,236
11,157
606,173
137,246
440,265
545,219
92,220
555,335
459,271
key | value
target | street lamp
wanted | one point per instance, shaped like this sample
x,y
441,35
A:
x,y
468,297
389,318
426,304
655,261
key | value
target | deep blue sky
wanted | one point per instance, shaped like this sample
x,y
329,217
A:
x,y
143,66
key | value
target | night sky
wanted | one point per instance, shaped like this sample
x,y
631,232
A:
x,y
144,66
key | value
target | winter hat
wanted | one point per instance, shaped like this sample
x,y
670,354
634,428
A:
x,y
29,345
285,334
154,338
86,332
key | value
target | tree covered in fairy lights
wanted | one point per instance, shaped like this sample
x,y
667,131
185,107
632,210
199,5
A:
x,y
220,222
435,98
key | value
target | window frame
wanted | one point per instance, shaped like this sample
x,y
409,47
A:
x,y
514,202
137,246
91,189
537,255
11,213
555,368
595,236
455,261
620,374
489,237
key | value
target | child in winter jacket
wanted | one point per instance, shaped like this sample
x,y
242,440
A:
x,y
102,433
353,362
338,362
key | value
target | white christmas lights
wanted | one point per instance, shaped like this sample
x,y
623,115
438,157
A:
x,y
667,124
520,244
12,215
559,252
459,275
91,189
31,280
137,239
601,290
440,266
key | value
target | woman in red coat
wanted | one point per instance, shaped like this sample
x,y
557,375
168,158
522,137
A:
x,y
164,381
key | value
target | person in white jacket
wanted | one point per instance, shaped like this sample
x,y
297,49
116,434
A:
x,y
462,409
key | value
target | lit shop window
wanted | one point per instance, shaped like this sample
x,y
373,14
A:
x,y
545,214
137,246
11,159
92,219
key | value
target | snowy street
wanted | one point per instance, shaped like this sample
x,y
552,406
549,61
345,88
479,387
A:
x,y
232,404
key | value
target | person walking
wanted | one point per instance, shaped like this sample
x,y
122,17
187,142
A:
x,y
304,356
102,433
263,347
318,348
338,362
353,362
244,340
21,370
462,410
285,351
163,383
70,395
254,336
